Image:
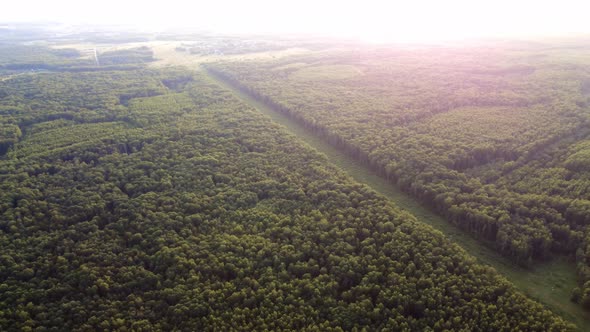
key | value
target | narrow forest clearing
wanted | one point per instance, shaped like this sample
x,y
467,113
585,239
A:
x,y
549,283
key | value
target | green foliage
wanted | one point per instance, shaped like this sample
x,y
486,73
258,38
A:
x,y
184,209
494,140
9,134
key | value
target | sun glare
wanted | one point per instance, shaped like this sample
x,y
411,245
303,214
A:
x,y
375,21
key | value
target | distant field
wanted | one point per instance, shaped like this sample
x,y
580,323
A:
x,y
166,52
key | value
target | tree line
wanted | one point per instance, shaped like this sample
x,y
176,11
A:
x,y
496,147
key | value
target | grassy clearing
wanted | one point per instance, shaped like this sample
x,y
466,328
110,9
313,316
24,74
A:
x,y
549,283
50,141
166,54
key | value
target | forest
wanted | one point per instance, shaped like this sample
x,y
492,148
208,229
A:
x,y
137,198
495,139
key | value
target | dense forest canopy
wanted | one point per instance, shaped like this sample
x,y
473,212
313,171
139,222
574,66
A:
x,y
495,138
151,199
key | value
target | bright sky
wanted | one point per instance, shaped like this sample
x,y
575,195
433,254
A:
x,y
371,20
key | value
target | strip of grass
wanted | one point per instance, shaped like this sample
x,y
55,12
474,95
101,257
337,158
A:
x,y
549,283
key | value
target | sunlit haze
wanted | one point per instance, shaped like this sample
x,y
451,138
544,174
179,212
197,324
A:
x,y
368,20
